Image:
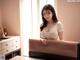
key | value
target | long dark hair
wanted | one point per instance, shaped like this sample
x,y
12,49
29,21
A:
x,y
54,18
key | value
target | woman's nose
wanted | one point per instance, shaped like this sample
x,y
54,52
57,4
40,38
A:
x,y
46,15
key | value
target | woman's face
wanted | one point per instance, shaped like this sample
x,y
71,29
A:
x,y
47,14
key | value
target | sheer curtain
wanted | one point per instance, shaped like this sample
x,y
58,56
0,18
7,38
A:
x,y
26,25
30,20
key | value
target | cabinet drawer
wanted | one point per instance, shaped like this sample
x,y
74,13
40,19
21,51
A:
x,y
6,51
16,47
7,44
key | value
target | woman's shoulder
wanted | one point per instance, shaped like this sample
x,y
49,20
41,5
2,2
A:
x,y
59,23
60,26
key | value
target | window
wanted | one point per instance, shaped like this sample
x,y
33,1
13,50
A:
x,y
37,6
30,20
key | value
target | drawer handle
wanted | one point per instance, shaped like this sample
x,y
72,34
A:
x,y
16,41
16,46
6,44
6,50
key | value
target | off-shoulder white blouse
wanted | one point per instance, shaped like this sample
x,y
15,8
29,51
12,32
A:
x,y
52,34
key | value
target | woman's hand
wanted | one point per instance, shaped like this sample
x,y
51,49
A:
x,y
44,41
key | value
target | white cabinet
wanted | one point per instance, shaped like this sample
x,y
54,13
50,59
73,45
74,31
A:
x,y
16,44
9,45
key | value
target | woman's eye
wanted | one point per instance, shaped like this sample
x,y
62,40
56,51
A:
x,y
48,12
43,14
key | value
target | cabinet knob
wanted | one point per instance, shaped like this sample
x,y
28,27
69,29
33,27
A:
x,y
6,44
16,46
6,50
16,41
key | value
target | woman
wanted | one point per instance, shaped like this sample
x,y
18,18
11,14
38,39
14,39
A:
x,y
51,28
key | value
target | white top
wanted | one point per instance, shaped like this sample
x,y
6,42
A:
x,y
52,34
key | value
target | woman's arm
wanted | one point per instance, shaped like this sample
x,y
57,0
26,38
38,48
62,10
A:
x,y
60,34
